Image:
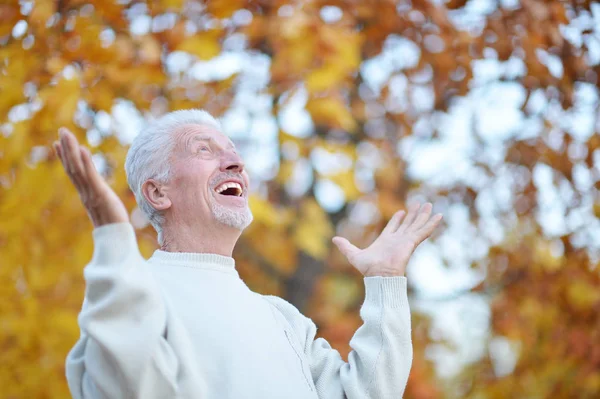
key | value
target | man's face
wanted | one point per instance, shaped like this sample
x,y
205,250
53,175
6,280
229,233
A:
x,y
208,181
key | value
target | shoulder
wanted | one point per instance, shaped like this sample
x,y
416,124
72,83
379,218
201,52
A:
x,y
291,313
277,301
282,305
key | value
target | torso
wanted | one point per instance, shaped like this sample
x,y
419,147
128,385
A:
x,y
239,344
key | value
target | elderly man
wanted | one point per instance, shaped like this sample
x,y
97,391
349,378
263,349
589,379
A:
x,y
182,324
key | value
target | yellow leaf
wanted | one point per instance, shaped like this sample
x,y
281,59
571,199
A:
x,y
204,45
41,13
340,62
12,94
150,50
172,4
268,235
100,96
295,26
124,51
596,209
545,258
60,104
313,230
147,245
264,212
340,290
592,383
347,55
15,145
275,247
331,111
323,78
293,59
347,183
286,170
158,7
224,8
582,295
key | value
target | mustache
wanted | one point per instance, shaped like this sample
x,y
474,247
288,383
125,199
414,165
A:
x,y
215,181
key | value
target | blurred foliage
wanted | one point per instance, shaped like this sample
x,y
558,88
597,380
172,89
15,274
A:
x,y
64,63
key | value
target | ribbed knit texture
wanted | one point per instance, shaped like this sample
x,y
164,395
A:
x,y
184,325
193,259
386,291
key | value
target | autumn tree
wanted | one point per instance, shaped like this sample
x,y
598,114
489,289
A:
x,y
349,110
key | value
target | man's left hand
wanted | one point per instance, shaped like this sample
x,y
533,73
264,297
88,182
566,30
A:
x,y
388,255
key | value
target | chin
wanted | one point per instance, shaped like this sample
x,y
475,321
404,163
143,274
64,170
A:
x,y
236,218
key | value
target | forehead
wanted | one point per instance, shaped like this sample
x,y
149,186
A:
x,y
187,135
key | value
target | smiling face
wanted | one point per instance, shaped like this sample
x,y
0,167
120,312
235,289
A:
x,y
208,180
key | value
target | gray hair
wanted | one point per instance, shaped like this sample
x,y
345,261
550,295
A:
x,y
149,156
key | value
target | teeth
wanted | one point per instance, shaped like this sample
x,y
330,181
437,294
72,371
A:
x,y
227,185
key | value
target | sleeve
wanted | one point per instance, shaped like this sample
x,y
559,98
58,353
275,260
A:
x,y
122,351
380,360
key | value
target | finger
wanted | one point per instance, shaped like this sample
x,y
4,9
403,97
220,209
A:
x,y
345,247
64,151
410,217
424,232
60,151
88,186
72,151
72,154
56,146
63,158
423,216
94,179
394,222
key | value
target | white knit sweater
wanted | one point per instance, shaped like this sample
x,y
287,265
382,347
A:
x,y
184,325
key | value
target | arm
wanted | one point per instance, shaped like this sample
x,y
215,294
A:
x,y
122,351
379,362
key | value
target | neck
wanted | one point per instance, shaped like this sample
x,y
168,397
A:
x,y
218,239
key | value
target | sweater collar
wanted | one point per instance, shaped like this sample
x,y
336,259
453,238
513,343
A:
x,y
191,259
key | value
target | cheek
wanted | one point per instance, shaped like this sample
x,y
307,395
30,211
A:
x,y
190,188
197,188
194,181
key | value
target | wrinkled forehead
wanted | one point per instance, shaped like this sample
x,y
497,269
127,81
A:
x,y
187,135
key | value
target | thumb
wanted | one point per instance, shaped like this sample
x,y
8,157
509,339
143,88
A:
x,y
345,247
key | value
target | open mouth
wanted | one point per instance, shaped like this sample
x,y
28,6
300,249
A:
x,y
230,188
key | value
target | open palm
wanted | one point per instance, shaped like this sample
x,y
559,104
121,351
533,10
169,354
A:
x,y
389,254
101,202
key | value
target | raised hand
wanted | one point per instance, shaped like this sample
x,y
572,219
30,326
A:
x,y
101,202
388,255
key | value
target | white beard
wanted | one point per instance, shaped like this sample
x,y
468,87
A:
x,y
238,219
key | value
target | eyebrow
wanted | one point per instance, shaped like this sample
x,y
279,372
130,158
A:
x,y
200,137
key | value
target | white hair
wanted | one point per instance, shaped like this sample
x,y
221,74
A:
x,y
149,156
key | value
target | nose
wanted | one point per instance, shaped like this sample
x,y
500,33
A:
x,y
230,161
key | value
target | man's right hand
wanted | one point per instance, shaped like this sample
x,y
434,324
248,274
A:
x,y
101,202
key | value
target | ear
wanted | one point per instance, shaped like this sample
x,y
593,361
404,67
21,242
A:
x,y
156,194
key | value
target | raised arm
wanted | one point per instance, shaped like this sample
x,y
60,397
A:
x,y
379,364
122,351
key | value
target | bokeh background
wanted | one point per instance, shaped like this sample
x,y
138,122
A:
x,y
344,111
